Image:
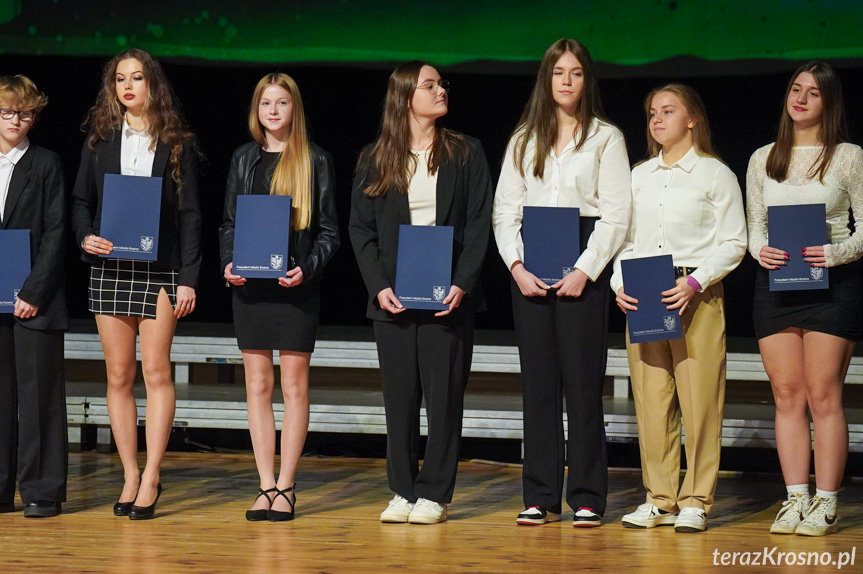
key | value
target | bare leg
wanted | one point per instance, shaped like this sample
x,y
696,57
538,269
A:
x,y
156,337
826,359
295,425
782,354
262,426
118,344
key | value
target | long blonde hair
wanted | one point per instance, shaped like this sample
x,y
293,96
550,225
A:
x,y
293,172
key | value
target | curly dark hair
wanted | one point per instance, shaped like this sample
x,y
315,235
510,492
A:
x,y
163,109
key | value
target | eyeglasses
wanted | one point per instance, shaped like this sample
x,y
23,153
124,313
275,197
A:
x,y
432,86
24,116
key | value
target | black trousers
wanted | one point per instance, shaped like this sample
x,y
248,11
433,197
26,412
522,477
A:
x,y
33,434
424,356
562,345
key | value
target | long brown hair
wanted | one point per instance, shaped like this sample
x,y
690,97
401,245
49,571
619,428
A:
x,y
293,172
391,154
539,120
695,108
834,127
163,109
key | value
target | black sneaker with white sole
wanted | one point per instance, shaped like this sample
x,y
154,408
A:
x,y
536,515
586,518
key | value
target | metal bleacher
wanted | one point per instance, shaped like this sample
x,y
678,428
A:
x,y
346,408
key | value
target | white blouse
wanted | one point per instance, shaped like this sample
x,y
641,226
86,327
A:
x,y
841,190
422,192
595,179
136,157
692,210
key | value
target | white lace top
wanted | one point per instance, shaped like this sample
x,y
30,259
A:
x,y
841,190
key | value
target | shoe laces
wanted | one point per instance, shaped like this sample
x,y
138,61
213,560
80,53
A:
x,y
397,500
817,509
648,508
428,504
790,507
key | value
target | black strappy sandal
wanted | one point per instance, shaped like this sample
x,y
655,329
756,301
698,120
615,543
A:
x,y
278,515
261,515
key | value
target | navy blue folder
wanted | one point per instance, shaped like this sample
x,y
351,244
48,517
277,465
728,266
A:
x,y
551,241
262,234
645,278
14,265
791,228
424,266
130,216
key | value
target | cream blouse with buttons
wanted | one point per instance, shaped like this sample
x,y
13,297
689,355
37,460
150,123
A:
x,y
840,191
594,178
692,210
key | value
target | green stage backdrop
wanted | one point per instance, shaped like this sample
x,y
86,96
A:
x,y
449,32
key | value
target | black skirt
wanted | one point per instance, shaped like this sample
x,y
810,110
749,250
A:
x,y
836,311
129,287
269,317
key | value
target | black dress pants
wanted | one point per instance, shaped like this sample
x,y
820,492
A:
x,y
33,433
422,356
562,344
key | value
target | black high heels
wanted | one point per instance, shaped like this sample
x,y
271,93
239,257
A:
x,y
146,512
260,515
125,508
279,515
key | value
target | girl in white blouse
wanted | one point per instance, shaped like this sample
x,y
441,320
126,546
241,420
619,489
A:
x,y
686,203
807,337
563,153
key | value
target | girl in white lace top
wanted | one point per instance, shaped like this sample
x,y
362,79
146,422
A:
x,y
807,337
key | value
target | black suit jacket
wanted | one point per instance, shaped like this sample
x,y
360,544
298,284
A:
x,y
464,198
312,247
180,213
37,201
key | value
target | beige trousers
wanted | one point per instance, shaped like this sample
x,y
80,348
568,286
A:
x,y
682,376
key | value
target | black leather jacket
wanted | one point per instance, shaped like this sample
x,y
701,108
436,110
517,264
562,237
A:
x,y
312,247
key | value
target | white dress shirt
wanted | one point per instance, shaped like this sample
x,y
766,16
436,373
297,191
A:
x,y
136,157
691,210
841,190
594,178
422,192
7,166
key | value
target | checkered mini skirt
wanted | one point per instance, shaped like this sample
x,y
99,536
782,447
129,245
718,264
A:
x,y
129,287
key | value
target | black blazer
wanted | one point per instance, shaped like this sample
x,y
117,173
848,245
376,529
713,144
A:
x,y
37,201
464,199
312,247
180,213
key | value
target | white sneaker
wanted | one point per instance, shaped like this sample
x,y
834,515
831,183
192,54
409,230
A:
x,y
648,516
790,515
427,511
821,518
398,510
691,519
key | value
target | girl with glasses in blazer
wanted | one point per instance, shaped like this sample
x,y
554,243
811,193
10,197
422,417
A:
x,y
420,173
33,447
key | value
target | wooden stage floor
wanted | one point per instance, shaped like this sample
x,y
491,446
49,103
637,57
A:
x,y
200,526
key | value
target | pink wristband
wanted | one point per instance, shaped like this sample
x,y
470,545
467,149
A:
x,y
693,282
